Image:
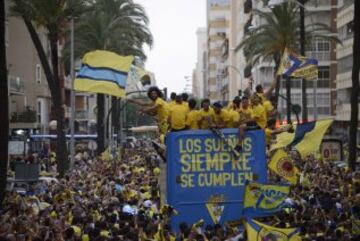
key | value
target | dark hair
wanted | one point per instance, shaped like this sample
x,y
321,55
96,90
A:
x,y
258,88
271,122
192,103
185,96
204,101
218,105
244,98
172,95
156,89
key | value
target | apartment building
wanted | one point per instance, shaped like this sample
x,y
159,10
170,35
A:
x,y
345,16
199,73
29,95
323,89
218,29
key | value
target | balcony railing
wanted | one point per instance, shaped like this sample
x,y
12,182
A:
x,y
27,116
82,115
320,56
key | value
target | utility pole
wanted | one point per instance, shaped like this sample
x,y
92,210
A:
x,y
72,97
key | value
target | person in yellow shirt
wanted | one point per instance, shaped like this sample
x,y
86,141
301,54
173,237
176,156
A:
x,y
192,117
206,115
185,98
271,131
269,107
235,104
158,108
258,111
221,118
257,120
234,114
177,115
172,99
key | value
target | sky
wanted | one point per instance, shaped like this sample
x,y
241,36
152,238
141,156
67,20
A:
x,y
173,24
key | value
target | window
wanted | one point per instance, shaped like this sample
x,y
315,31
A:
x,y
39,111
38,74
324,77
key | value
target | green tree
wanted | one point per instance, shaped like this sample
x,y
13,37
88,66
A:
x,y
280,30
355,88
120,26
53,16
4,103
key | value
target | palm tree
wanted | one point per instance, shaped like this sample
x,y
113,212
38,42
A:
x,y
120,26
4,103
281,29
52,16
355,88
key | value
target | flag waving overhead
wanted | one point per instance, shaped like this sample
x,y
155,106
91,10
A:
x,y
282,164
306,139
264,199
257,231
103,72
294,65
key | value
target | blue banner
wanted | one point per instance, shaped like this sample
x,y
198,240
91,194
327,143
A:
x,y
205,180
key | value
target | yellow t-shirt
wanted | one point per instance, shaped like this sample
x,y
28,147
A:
x,y
222,117
245,114
203,115
268,107
178,114
162,111
186,104
262,97
171,103
259,114
192,120
234,119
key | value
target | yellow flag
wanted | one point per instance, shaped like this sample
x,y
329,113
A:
x,y
282,164
263,199
306,139
257,231
103,72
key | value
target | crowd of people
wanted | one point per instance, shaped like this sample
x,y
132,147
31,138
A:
x,y
114,199
121,200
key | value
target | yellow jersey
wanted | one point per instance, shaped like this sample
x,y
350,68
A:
x,y
162,111
206,117
177,115
268,136
186,104
222,118
259,115
234,118
268,107
192,120
245,114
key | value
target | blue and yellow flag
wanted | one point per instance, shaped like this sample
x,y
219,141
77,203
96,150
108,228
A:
x,y
294,65
264,199
103,72
257,231
282,164
306,139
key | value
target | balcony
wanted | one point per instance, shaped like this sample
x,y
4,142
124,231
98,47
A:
x,y
320,56
343,112
16,85
27,116
318,5
81,115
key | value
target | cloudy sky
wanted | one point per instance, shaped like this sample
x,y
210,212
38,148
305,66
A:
x,y
173,24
